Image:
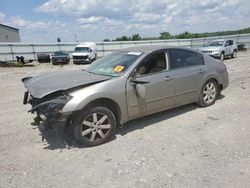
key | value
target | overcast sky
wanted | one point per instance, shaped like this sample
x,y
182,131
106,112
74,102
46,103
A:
x,y
94,20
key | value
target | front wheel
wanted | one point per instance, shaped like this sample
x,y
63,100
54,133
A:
x,y
209,93
95,126
222,56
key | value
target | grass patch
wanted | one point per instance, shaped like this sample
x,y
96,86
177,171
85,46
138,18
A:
x,y
15,64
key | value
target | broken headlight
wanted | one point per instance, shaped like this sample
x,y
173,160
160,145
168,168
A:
x,y
51,107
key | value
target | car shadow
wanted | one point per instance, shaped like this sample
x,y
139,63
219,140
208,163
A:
x,y
63,139
56,137
145,121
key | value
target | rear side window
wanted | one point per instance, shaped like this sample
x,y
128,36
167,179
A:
x,y
180,58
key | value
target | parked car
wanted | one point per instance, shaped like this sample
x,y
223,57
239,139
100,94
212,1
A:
x,y
122,86
84,53
220,48
43,58
60,57
241,47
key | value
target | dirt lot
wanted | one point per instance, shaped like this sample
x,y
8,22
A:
x,y
184,147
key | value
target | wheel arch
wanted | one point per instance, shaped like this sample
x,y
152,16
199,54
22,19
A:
x,y
108,103
217,82
213,78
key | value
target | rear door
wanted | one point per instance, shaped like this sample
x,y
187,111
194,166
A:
x,y
189,70
228,46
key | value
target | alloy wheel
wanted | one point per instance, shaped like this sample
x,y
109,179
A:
x,y
95,127
209,92
222,57
234,54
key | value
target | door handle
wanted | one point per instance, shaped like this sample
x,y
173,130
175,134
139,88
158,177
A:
x,y
200,71
168,78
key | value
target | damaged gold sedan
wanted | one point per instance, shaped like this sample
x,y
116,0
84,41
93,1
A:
x,y
123,86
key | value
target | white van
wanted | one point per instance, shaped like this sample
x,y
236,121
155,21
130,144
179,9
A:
x,y
84,53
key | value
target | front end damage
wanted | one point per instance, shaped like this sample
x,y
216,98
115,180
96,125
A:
x,y
48,93
49,117
48,109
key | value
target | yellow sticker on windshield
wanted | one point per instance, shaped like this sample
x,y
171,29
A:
x,y
118,68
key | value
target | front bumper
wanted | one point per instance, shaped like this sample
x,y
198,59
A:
x,y
215,54
58,61
49,112
81,61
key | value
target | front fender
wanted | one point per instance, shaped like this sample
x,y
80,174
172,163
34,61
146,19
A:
x,y
83,98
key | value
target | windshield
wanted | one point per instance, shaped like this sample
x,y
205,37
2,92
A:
x,y
215,43
82,49
114,64
59,53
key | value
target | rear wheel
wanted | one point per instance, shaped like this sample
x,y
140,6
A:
x,y
234,55
208,93
95,126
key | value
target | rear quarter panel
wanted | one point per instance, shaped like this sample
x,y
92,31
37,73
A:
x,y
216,69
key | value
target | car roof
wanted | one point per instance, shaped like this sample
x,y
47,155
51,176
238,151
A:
x,y
149,48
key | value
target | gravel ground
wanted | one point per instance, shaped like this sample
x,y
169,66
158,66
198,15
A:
x,y
183,147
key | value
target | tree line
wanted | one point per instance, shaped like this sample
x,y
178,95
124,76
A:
x,y
184,35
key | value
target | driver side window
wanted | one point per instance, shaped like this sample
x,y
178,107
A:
x,y
153,63
227,43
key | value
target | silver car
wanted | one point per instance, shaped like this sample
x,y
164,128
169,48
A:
x,y
122,86
220,48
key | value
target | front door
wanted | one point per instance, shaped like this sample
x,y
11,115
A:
x,y
151,74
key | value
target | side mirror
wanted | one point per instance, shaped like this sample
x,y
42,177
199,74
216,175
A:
x,y
140,90
139,86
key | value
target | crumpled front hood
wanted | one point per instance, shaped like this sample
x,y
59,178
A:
x,y
210,48
44,84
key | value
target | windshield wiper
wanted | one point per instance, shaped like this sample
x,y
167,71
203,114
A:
x,y
101,74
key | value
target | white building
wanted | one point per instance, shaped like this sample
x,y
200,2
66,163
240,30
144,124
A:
x,y
9,34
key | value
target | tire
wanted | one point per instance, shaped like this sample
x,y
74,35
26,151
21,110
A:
x,y
209,93
95,57
222,56
94,126
234,55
